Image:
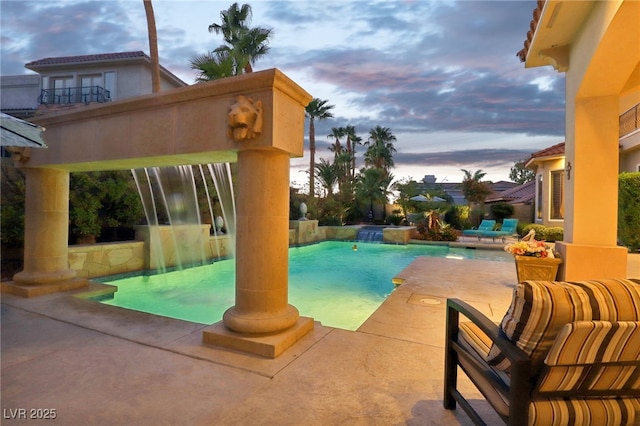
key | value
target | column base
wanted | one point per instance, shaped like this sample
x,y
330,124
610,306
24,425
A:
x,y
260,322
580,262
269,346
33,290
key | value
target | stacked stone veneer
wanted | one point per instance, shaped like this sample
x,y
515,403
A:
x,y
97,260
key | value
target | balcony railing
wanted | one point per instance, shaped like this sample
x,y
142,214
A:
x,y
630,121
74,95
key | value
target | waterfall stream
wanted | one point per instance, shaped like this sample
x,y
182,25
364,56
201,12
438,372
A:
x,y
170,199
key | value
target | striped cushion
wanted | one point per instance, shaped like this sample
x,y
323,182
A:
x,y
471,333
601,412
539,309
589,342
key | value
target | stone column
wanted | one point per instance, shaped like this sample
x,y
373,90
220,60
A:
x,y
262,243
46,229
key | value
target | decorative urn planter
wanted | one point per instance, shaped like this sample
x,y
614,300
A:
x,y
530,268
219,224
303,211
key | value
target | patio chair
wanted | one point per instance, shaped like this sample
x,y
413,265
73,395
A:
x,y
550,362
485,226
509,228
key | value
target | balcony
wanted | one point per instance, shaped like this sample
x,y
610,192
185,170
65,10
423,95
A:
x,y
630,121
74,95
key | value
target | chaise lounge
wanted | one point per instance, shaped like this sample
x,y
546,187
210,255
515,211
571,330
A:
x,y
508,229
564,354
485,226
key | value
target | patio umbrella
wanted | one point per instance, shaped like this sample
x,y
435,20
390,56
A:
x,y
20,133
423,198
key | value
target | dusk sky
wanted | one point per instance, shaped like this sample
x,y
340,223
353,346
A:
x,y
442,75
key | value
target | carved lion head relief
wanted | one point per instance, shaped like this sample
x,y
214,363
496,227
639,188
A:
x,y
244,118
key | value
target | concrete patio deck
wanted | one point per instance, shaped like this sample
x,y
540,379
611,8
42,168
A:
x,y
101,365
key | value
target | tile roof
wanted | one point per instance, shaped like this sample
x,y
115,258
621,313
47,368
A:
x,y
41,64
557,149
102,57
519,194
537,12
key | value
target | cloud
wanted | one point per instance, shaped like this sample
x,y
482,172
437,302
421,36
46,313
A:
x,y
487,157
36,30
425,69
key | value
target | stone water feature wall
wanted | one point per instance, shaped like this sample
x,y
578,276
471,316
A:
x,y
97,260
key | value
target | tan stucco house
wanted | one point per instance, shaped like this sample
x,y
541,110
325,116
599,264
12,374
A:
x,y
549,165
597,45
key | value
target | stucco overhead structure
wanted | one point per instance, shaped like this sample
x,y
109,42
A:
x,y
181,126
597,44
191,125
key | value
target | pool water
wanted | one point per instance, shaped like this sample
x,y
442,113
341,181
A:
x,y
329,282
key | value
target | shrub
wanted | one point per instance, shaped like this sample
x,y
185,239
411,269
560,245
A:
x,y
442,232
629,210
102,200
501,210
454,216
543,233
12,196
540,231
330,221
554,233
396,217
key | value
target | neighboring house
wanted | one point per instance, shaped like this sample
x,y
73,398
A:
x,y
520,197
70,81
19,94
549,167
454,190
597,45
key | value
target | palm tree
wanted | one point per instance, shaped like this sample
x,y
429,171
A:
x,y
352,141
153,46
380,148
327,174
245,45
342,163
474,190
337,133
212,66
316,110
373,185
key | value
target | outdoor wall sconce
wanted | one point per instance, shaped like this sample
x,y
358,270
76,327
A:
x,y
19,153
244,119
568,170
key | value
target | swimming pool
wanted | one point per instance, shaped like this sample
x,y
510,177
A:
x,y
329,281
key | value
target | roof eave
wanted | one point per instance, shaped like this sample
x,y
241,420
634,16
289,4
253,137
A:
x,y
145,59
44,67
553,29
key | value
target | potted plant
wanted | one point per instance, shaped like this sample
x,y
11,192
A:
x,y
535,260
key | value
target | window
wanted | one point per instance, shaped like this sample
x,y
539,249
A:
x,y
539,198
63,92
89,87
557,195
110,85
